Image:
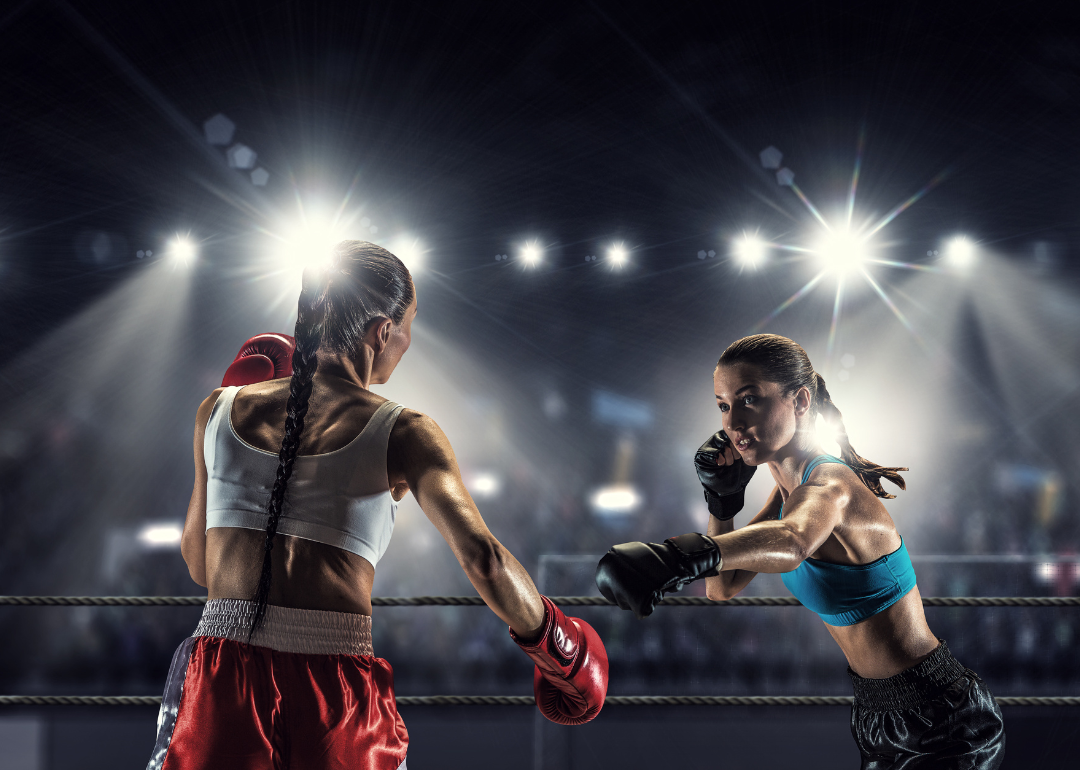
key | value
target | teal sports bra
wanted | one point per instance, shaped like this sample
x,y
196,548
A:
x,y
845,594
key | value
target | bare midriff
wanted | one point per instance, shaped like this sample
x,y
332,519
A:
x,y
889,642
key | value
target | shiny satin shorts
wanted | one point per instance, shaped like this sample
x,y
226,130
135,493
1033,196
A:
x,y
937,715
307,693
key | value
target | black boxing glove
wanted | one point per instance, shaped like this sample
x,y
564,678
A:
x,y
724,484
637,575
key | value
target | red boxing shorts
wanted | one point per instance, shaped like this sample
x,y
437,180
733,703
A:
x,y
307,694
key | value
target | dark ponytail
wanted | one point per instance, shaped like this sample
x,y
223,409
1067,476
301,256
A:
x,y
363,283
784,361
310,316
869,473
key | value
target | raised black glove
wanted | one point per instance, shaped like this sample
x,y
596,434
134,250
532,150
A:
x,y
724,484
637,575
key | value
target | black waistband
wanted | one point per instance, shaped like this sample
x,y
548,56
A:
x,y
911,687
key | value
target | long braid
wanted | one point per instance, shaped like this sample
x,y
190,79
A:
x,y
868,472
310,318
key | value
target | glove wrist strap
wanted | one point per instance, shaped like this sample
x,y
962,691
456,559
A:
x,y
725,507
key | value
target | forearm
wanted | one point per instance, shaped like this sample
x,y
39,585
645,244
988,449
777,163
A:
x,y
505,587
730,581
767,546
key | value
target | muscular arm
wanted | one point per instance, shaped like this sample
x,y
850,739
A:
x,y
811,512
731,582
193,541
432,474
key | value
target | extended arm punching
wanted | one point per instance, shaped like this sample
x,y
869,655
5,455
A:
x,y
637,575
432,474
570,676
731,581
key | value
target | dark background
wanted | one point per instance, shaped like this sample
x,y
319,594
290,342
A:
x,y
473,129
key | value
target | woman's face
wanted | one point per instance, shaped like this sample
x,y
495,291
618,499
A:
x,y
756,416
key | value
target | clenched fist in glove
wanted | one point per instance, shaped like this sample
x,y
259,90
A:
x,y
571,675
723,474
263,357
637,575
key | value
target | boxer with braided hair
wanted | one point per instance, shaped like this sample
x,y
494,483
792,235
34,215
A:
x,y
296,490
837,549
310,316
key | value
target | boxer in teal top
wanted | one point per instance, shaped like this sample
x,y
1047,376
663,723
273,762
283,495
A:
x,y
825,530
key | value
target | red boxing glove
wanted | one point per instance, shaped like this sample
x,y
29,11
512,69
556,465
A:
x,y
263,357
571,676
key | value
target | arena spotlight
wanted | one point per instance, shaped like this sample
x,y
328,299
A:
x,y
960,252
183,251
410,251
531,254
749,250
161,535
310,243
484,485
842,251
615,500
618,255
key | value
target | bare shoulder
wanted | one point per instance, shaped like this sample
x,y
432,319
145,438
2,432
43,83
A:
x,y
841,487
835,481
415,430
202,416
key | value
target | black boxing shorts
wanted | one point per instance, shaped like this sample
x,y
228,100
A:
x,y
936,715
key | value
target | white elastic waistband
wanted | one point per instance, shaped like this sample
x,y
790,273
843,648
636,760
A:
x,y
285,629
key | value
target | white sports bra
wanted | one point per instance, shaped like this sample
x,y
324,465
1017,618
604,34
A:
x,y
340,498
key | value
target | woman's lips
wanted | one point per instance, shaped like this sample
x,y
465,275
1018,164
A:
x,y
744,444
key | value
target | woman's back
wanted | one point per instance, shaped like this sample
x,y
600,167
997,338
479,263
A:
x,y
307,574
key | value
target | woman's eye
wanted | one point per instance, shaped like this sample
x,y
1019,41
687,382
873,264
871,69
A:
x,y
723,407
749,400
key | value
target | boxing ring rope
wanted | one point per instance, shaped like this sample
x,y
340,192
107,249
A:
x,y
527,700
565,601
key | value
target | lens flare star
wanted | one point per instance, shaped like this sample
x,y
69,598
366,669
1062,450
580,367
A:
x,y
847,250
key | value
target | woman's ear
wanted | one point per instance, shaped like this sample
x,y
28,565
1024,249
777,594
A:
x,y
378,334
802,401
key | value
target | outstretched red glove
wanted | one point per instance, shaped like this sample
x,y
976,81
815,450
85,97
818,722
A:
x,y
571,676
263,357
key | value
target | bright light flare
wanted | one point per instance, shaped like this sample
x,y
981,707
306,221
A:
x,y
183,251
842,251
484,485
310,243
531,254
750,251
1047,572
826,437
960,252
618,256
411,251
617,499
161,535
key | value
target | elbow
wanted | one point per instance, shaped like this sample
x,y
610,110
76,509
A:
x,y
197,570
716,591
198,577
800,551
196,564
483,561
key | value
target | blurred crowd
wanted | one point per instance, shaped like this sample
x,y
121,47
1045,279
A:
x,y
559,538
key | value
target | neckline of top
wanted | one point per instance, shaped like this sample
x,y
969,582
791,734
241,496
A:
x,y
232,429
